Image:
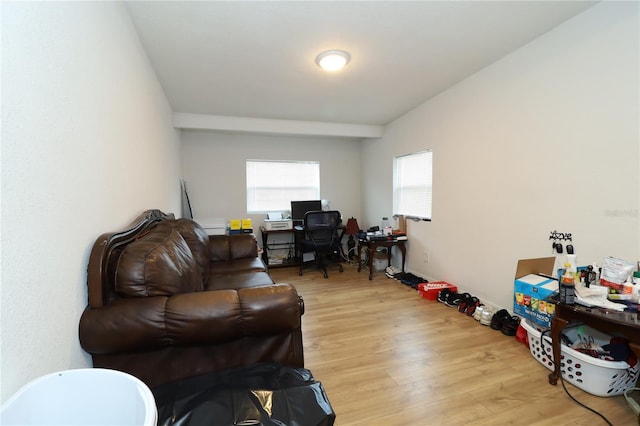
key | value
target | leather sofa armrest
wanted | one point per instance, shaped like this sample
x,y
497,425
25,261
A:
x,y
125,325
190,318
270,308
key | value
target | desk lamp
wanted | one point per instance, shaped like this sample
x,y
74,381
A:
x,y
351,230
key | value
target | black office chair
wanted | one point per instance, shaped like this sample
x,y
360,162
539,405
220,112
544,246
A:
x,y
321,237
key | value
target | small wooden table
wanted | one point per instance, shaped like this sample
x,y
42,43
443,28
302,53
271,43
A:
x,y
372,245
605,320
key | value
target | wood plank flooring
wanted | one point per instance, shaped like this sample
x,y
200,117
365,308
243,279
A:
x,y
389,357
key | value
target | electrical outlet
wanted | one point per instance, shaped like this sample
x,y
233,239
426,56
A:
x,y
425,257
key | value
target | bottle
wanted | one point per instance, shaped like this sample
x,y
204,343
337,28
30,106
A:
x,y
596,274
627,287
589,276
567,286
573,267
386,226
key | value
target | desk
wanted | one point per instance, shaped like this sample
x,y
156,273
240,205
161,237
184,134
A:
x,y
607,321
297,233
372,245
291,245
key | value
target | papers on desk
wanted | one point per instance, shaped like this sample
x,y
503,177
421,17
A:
x,y
596,296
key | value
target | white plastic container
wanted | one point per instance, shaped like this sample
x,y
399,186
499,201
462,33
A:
x,y
87,396
596,376
213,226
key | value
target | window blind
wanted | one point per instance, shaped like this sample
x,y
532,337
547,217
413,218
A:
x,y
413,187
271,185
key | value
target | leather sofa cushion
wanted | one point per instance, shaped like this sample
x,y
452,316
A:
x,y
225,248
158,264
196,238
238,280
238,265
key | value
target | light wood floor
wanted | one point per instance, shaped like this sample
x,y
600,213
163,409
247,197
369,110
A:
x,y
385,356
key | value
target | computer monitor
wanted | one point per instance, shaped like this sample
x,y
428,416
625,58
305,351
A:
x,y
299,208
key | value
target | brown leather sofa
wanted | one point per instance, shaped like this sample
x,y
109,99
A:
x,y
167,302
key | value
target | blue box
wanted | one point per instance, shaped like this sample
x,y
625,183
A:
x,y
532,292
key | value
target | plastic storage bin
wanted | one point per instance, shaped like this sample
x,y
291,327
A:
x,y
88,396
596,376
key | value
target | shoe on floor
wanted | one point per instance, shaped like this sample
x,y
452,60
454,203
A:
x,y
468,304
448,297
477,315
499,318
472,305
487,315
443,295
452,300
465,299
412,280
510,326
391,271
398,276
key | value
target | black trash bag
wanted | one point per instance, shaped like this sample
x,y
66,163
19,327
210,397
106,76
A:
x,y
263,394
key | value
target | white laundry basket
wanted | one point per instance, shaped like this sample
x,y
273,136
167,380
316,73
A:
x,y
87,396
593,375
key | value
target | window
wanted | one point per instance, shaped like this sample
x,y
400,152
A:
x,y
412,188
271,185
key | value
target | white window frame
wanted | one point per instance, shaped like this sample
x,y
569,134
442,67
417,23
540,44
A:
x,y
413,185
273,184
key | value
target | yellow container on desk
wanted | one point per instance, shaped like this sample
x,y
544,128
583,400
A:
x,y
235,224
246,224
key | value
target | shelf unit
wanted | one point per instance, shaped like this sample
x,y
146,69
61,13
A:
x,y
288,246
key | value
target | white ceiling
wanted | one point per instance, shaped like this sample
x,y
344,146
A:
x,y
256,59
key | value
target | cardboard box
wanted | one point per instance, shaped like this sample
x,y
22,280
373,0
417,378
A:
x,y
532,292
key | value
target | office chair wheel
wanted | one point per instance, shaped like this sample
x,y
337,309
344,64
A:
x,y
340,268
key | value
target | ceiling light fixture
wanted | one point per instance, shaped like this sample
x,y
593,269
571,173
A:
x,y
333,60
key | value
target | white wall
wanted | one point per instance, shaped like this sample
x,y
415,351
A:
x,y
545,139
87,145
214,168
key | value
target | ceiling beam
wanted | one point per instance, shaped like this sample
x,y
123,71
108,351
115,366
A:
x,y
273,126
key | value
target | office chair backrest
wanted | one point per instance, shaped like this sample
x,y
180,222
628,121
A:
x,y
322,227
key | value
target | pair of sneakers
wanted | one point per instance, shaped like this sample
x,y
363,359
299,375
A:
x,y
484,314
412,280
406,278
468,304
505,322
392,272
449,297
